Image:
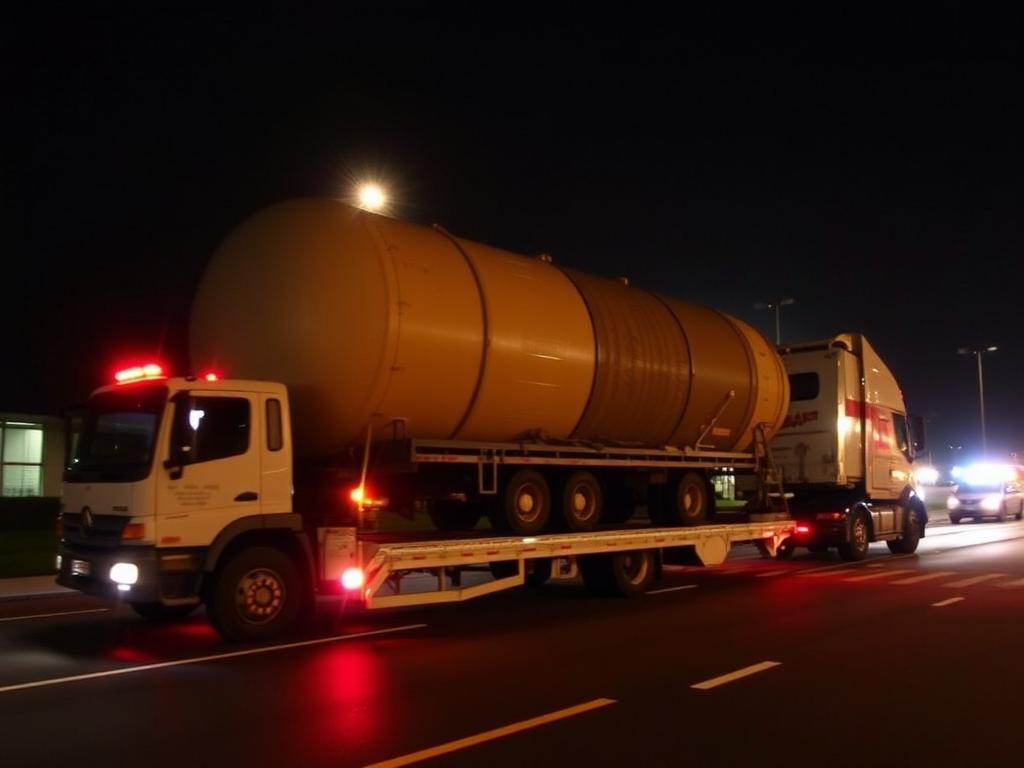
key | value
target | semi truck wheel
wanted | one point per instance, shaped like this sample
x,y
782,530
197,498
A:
x,y
624,574
256,595
907,543
689,500
582,502
161,612
856,546
525,505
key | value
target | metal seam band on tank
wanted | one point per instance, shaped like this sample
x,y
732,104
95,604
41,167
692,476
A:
x,y
751,374
593,326
689,356
486,337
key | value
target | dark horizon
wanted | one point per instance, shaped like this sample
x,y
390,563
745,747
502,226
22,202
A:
x,y
868,167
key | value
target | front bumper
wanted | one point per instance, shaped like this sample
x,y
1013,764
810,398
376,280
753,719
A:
x,y
88,570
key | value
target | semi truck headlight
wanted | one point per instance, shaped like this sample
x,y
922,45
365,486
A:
x,y
124,573
992,503
952,502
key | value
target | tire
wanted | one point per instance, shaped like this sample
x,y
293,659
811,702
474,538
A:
x,y
257,595
907,543
525,507
1020,512
1001,517
622,574
856,546
689,500
582,502
954,519
785,550
454,515
159,612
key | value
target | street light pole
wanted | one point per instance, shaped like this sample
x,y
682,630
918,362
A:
x,y
981,389
777,306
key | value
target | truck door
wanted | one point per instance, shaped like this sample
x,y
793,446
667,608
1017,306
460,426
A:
x,y
212,476
890,454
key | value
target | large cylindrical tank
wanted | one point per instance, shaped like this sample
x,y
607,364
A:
x,y
369,319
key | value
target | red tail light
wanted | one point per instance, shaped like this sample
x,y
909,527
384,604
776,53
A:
x,y
353,578
211,376
803,529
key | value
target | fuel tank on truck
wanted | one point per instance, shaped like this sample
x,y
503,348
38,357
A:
x,y
369,320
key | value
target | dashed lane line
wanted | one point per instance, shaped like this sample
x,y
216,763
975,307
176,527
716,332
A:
x,y
753,669
672,589
974,580
497,733
944,603
816,574
925,577
878,575
48,615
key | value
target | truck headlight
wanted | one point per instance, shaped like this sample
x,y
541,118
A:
x,y
992,503
124,573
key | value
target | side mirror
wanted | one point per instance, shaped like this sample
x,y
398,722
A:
x,y
917,434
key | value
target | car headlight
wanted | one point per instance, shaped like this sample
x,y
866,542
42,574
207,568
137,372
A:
x,y
992,503
952,502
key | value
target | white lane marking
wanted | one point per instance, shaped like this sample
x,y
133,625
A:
x,y
974,580
878,575
815,574
671,589
772,573
201,659
926,577
47,615
497,733
739,673
1017,583
944,603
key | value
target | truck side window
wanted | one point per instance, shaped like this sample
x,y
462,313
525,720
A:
x,y
803,386
899,427
209,428
274,438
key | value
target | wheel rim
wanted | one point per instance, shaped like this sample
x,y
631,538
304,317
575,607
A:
x,y
691,499
634,567
529,503
260,595
859,534
583,503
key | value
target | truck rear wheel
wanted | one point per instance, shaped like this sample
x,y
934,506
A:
x,y
582,502
689,500
256,596
624,574
525,507
856,546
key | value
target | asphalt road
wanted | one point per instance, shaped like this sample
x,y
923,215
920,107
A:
x,y
912,660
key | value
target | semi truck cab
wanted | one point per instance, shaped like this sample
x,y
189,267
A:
x,y
846,450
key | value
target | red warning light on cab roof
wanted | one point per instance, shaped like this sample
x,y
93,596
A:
x,y
140,373
211,376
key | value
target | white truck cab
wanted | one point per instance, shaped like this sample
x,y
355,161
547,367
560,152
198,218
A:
x,y
846,450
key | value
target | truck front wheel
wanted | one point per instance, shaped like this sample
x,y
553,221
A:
x,y
906,544
256,596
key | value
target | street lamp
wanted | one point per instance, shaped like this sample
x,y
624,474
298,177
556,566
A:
x,y
776,305
981,388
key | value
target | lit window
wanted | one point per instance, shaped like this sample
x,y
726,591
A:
x,y
21,459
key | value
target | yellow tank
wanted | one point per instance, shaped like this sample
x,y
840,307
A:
x,y
368,319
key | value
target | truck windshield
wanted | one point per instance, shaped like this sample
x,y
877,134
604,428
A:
x,y
118,436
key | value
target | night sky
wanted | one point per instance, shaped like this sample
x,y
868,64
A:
x,y
870,166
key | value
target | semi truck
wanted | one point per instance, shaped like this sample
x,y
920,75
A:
x,y
350,368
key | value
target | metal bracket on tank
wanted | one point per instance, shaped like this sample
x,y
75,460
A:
x,y
714,420
487,459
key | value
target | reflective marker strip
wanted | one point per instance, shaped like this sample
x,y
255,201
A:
x,y
944,603
671,589
200,659
877,575
974,580
497,733
47,615
926,577
739,673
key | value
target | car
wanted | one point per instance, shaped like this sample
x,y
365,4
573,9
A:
x,y
988,491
